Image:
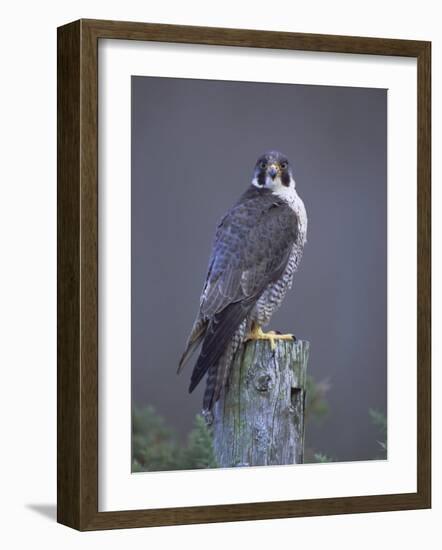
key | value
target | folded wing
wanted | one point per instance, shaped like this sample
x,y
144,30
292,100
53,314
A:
x,y
251,249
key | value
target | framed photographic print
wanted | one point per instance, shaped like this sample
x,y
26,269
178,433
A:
x,y
243,274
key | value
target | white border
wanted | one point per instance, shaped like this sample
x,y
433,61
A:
x,y
118,488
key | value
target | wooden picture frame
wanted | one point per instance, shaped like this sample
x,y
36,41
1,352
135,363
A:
x,y
77,224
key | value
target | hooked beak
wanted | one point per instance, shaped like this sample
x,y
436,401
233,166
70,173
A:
x,y
272,171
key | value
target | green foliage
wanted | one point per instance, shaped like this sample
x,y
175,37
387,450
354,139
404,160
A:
x,y
155,445
199,451
321,457
153,442
316,406
380,421
316,409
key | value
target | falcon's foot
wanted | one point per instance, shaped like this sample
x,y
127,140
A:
x,y
257,334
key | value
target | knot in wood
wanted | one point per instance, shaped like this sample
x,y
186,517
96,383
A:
x,y
263,382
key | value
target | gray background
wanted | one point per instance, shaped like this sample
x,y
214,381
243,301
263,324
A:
x,y
194,145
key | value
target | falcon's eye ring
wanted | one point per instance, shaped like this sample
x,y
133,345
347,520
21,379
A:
x,y
284,165
263,164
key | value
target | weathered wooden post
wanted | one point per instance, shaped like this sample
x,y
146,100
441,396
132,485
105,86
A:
x,y
259,418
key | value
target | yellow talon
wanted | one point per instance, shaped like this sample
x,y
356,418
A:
x,y
256,333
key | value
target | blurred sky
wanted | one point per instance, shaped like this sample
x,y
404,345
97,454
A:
x,y
194,146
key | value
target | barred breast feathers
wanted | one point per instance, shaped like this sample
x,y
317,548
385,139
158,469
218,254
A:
x,y
273,296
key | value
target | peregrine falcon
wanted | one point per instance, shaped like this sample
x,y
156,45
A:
x,y
257,249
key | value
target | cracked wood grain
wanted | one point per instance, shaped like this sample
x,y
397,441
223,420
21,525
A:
x,y
259,419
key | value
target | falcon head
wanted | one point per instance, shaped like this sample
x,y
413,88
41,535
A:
x,y
273,171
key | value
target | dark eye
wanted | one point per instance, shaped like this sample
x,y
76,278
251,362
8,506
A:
x,y
284,165
263,164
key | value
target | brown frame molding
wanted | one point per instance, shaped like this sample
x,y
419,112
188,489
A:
x,y
77,225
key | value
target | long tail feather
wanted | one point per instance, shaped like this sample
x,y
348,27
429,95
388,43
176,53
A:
x,y
218,335
210,388
194,340
218,374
